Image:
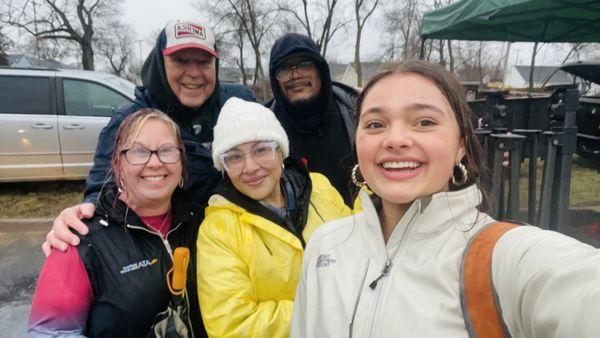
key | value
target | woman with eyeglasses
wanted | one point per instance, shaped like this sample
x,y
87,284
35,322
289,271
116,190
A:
x,y
115,283
252,239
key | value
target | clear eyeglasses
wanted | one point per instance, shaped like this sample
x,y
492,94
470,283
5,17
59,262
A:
x,y
138,155
262,153
284,73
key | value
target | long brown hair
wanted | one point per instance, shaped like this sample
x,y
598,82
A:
x,y
455,94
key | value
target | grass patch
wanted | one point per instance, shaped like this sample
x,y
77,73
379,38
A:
x,y
47,199
585,183
38,199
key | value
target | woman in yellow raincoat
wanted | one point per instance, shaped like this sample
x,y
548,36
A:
x,y
252,239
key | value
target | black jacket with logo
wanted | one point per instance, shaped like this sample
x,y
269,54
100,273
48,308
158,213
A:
x,y
321,132
127,265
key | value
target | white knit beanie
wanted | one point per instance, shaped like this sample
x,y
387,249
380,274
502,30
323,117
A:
x,y
244,121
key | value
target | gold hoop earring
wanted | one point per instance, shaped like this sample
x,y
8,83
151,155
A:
x,y
355,181
463,173
181,182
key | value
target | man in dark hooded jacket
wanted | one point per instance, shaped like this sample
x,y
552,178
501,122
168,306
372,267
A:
x,y
316,113
180,78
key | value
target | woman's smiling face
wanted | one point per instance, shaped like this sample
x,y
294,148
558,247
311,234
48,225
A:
x,y
408,139
148,187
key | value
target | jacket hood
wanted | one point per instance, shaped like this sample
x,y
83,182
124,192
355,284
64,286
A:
x,y
154,78
295,174
304,118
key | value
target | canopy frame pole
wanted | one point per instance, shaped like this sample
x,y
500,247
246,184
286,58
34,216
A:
x,y
422,53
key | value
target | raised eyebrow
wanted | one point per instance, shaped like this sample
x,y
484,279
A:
x,y
372,110
138,144
168,145
234,149
426,106
165,145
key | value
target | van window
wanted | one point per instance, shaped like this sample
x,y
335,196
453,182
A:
x,y
84,98
24,95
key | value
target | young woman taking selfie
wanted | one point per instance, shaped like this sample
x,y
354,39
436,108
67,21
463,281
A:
x,y
396,269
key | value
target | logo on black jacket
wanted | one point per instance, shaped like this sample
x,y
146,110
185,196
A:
x,y
136,266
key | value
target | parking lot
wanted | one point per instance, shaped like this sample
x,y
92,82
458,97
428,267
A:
x,y
21,260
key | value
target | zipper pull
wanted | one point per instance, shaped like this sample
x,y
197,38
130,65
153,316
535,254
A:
x,y
385,271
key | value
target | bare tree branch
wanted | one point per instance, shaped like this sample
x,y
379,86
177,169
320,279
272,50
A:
x,y
360,23
71,20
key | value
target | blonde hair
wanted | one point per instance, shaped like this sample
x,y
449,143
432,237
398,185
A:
x,y
130,129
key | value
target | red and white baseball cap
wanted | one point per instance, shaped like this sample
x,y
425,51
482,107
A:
x,y
189,34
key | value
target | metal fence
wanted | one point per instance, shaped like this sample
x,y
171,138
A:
x,y
541,129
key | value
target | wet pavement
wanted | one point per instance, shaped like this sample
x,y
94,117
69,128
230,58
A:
x,y
21,258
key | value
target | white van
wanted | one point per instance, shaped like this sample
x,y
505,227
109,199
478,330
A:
x,y
50,121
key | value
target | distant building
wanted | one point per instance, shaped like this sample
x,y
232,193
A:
x,y
518,76
28,61
234,75
337,71
369,69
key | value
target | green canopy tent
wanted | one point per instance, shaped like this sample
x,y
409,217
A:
x,y
527,21
515,20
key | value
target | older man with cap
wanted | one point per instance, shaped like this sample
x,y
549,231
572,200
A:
x,y
315,111
180,78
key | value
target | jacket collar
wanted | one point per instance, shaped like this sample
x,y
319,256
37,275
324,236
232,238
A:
x,y
111,208
296,174
439,212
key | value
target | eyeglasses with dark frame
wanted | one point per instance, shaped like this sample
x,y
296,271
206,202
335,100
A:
x,y
262,153
284,73
141,155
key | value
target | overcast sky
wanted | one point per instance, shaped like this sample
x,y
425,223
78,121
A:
x,y
148,16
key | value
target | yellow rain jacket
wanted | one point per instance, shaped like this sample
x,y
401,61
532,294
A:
x,y
249,266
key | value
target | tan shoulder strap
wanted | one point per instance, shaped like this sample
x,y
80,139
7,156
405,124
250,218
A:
x,y
481,310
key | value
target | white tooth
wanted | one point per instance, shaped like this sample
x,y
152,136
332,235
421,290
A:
x,y
400,165
154,178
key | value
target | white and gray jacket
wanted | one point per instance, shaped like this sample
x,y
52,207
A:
x,y
354,285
